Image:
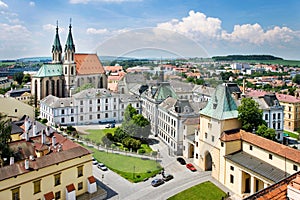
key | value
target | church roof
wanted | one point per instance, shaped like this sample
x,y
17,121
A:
x,y
221,106
70,44
88,64
163,91
48,70
56,45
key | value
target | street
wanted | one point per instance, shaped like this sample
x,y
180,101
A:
x,y
120,188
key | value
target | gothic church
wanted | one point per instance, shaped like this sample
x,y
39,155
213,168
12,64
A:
x,y
66,73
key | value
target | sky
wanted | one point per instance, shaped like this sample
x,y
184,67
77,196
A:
x,y
152,28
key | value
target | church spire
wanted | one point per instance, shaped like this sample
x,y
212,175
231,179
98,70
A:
x,y
56,47
70,44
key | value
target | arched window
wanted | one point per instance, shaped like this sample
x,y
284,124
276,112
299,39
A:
x,y
57,88
72,70
66,70
47,88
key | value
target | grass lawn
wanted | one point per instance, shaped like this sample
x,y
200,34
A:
x,y
203,191
96,135
132,168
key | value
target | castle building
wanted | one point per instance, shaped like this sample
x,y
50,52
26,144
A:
x,y
66,73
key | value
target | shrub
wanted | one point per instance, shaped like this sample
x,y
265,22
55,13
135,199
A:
x,y
141,151
44,120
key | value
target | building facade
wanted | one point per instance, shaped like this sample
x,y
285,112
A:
x,y
87,107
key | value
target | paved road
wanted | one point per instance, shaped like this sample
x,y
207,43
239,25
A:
x,y
120,188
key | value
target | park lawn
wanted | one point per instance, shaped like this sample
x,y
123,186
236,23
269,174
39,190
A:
x,y
96,135
203,191
131,168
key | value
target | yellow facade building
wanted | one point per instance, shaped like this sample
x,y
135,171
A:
x,y
243,162
47,166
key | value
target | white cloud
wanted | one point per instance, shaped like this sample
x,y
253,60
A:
x,y
52,28
105,1
31,3
3,5
13,32
207,29
96,31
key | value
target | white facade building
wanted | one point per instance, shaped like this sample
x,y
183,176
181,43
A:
x,y
87,107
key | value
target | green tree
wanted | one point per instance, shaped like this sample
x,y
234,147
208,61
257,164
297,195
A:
x,y
250,115
266,132
84,87
5,138
18,77
26,78
129,113
296,79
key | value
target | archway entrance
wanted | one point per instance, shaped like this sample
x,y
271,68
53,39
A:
x,y
208,162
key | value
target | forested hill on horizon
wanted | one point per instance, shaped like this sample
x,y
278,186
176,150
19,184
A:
x,y
245,57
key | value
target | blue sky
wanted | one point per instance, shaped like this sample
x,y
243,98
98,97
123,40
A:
x,y
152,28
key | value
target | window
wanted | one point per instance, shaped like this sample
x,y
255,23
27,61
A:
x,y
91,102
196,156
16,110
62,120
98,116
251,147
266,116
115,107
278,116
62,111
209,125
290,108
15,193
91,116
36,186
81,102
222,144
270,156
56,179
212,138
205,135
72,111
231,168
81,110
57,195
81,118
80,186
91,109
278,125
114,99
295,167
72,119
196,144
115,114
98,108
231,178
274,116
106,100
80,171
106,115
106,107
98,101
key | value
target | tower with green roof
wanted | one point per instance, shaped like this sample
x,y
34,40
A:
x,y
219,115
69,66
56,48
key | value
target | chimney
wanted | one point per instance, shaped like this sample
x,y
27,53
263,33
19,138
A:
x,y
27,164
26,136
48,131
53,141
244,87
11,160
34,129
27,124
43,137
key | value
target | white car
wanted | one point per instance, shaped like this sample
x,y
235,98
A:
x,y
102,167
95,162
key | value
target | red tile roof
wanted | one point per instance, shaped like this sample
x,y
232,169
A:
x,y
113,68
269,145
287,98
49,196
70,187
88,64
91,179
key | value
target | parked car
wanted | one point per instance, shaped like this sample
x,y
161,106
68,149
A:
x,y
102,167
168,177
181,160
94,161
157,182
113,125
191,167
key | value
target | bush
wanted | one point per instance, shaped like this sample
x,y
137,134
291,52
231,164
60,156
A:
x,y
44,120
141,151
61,129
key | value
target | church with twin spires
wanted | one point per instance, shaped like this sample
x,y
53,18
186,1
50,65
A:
x,y
67,71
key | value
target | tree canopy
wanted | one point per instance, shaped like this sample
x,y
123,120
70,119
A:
x,y
250,115
296,79
5,138
266,132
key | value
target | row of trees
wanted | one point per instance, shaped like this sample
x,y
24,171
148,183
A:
x,y
5,138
